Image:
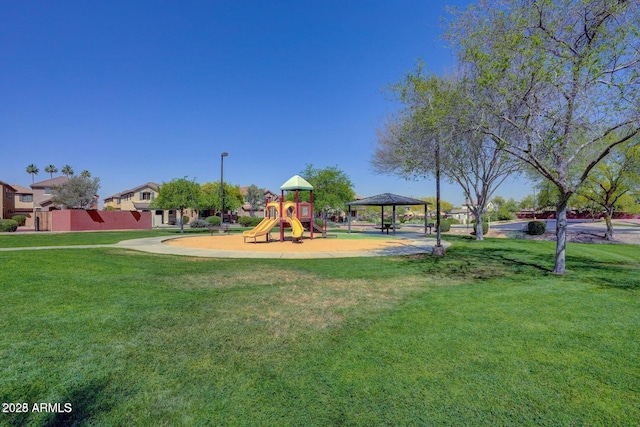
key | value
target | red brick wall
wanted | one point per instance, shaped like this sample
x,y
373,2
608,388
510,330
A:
x,y
81,220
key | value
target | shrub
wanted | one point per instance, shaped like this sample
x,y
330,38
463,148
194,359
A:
x,y
445,226
185,219
198,223
536,228
249,221
20,219
8,225
213,220
485,227
505,215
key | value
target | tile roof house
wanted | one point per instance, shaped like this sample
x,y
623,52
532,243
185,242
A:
x,y
42,193
24,203
7,200
245,209
139,199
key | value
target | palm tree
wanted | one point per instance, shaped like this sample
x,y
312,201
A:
x,y
67,170
85,174
33,170
51,169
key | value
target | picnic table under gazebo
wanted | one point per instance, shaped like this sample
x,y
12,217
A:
x,y
388,199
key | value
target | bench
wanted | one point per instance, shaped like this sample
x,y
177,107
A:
x,y
387,227
222,228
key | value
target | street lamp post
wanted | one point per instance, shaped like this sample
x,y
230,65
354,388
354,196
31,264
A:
x,y
222,156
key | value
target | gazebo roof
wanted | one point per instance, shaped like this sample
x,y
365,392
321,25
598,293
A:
x,y
388,199
296,182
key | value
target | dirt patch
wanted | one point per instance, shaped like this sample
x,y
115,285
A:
x,y
235,242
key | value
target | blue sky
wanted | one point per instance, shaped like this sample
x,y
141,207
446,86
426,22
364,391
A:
x,y
138,91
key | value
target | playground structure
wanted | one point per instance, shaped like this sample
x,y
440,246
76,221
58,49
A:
x,y
292,213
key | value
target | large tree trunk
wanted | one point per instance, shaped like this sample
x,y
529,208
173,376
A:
x,y
478,225
561,235
607,218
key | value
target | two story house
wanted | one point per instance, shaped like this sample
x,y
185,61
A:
x,y
7,200
139,199
24,203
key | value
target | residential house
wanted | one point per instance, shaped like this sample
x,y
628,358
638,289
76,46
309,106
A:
x,y
24,203
7,200
43,192
245,209
139,199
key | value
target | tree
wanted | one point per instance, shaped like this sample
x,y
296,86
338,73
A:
x,y
67,171
85,173
255,198
33,171
51,169
559,82
445,206
178,194
609,184
332,188
435,128
210,197
77,193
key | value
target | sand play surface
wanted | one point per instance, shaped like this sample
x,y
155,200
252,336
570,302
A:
x,y
235,242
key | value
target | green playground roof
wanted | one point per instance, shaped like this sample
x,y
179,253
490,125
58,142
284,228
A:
x,y
296,182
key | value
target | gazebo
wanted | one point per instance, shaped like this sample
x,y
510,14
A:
x,y
388,199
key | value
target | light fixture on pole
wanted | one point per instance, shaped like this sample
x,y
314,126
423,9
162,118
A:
x,y
222,156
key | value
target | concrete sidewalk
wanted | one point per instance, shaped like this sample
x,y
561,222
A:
x,y
411,246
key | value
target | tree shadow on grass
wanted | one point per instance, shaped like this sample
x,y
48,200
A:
x,y
606,274
86,401
480,263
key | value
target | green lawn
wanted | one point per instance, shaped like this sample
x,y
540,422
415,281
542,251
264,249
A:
x,y
18,240
484,336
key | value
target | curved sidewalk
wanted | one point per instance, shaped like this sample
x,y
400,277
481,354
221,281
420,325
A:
x,y
412,246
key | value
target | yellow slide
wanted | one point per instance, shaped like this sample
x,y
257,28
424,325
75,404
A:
x,y
296,227
262,229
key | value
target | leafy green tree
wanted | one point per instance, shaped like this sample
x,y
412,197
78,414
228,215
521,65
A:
x,y
609,184
67,171
78,192
33,171
255,198
179,194
51,169
559,81
210,197
332,188
434,128
445,206
527,202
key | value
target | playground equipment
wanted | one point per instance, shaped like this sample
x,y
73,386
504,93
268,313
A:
x,y
287,213
296,183
278,214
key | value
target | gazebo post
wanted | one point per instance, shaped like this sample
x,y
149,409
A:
x,y
425,219
349,220
393,219
382,219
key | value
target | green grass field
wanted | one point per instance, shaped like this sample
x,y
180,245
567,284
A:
x,y
484,336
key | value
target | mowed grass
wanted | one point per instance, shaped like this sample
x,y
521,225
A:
x,y
21,240
484,336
